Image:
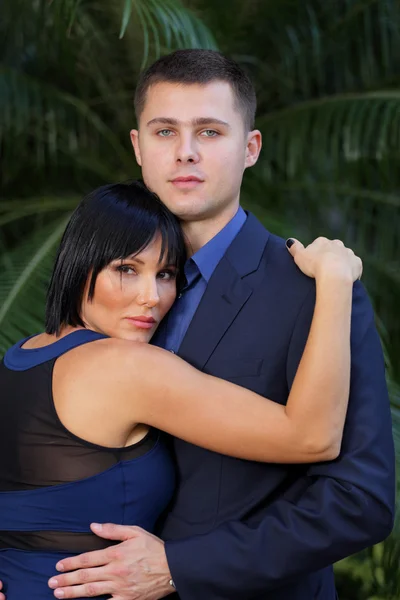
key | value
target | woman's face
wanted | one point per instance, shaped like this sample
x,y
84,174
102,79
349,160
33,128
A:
x,y
131,296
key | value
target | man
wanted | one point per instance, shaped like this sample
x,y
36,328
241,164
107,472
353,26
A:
x,y
237,529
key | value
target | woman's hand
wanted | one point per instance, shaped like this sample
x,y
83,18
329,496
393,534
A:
x,y
325,257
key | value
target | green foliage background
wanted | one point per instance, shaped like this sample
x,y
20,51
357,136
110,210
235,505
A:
x,y
328,84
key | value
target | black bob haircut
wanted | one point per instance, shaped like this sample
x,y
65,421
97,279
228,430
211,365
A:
x,y
113,222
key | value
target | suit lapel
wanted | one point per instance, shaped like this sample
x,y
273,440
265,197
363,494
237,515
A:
x,y
226,293
222,300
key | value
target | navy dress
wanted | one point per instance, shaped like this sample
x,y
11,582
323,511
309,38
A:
x,y
54,484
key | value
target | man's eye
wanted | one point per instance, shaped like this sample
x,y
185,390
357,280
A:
x,y
164,132
209,133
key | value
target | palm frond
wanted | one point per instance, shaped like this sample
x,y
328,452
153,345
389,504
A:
x,y
313,48
49,122
342,128
23,284
166,24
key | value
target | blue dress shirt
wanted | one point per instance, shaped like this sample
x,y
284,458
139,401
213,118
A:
x,y
198,271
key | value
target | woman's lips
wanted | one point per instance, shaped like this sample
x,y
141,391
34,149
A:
x,y
141,323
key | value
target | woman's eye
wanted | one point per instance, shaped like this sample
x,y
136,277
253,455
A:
x,y
126,269
209,133
164,132
167,275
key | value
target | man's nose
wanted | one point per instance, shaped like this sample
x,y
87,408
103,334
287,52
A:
x,y
187,151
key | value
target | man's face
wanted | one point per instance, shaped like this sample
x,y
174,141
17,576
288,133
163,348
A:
x,y
193,148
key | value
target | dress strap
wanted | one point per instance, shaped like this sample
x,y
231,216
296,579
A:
x,y
21,359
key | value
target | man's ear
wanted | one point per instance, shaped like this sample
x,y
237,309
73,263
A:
x,y
135,143
253,148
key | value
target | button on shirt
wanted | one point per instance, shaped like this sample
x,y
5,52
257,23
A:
x,y
198,270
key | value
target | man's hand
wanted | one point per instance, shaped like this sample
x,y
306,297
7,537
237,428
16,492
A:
x,y
136,569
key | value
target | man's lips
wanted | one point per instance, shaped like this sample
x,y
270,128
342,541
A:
x,y
142,322
188,178
188,182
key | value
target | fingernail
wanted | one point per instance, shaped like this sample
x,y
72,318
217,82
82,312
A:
x,y
53,582
289,243
60,566
97,526
59,594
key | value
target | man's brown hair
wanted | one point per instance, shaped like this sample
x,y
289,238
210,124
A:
x,y
194,66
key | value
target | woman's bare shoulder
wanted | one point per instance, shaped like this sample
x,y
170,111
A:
x,y
105,369
109,357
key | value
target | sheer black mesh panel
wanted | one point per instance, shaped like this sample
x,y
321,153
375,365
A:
x,y
37,451
56,541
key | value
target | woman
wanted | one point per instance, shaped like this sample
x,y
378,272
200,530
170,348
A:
x,y
83,402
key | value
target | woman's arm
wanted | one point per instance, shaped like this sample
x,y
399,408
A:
x,y
220,416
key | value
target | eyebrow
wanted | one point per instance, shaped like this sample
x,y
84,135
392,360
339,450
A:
x,y
138,260
198,122
142,262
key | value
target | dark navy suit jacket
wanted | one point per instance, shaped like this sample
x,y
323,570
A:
x,y
239,529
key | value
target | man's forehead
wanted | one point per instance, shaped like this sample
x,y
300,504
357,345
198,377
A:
x,y
165,91
211,101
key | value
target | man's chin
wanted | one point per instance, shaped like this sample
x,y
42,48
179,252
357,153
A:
x,y
186,207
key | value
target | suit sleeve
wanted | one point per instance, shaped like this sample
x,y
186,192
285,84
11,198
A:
x,y
336,509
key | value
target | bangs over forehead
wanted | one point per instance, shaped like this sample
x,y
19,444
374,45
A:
x,y
113,222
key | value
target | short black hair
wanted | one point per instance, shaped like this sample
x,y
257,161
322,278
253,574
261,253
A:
x,y
193,66
112,222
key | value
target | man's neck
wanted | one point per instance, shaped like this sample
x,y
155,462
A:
x,y
199,233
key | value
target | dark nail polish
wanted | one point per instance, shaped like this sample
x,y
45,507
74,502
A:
x,y
289,243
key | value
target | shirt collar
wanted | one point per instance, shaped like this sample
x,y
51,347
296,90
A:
x,y
207,258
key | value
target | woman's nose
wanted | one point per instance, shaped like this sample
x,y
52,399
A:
x,y
148,295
